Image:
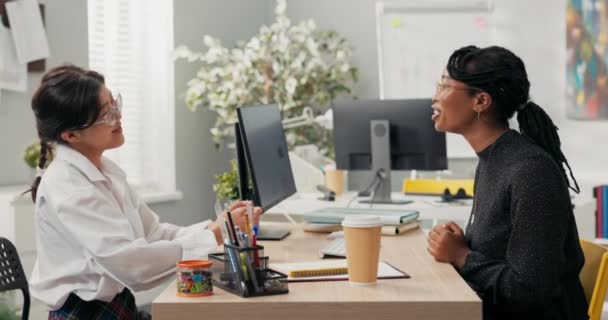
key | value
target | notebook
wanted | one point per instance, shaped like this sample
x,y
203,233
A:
x,y
385,270
400,229
336,215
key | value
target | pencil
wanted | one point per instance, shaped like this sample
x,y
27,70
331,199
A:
x,y
318,272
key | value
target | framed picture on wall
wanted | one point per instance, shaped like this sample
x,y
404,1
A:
x,y
587,59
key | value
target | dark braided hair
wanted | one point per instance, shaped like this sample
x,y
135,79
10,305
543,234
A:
x,y
502,74
67,99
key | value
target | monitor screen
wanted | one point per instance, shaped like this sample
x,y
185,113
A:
x,y
260,135
414,142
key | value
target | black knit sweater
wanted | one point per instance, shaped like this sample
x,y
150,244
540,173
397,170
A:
x,y
526,257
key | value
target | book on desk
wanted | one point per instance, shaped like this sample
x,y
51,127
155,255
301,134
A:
x,y
336,215
395,222
387,230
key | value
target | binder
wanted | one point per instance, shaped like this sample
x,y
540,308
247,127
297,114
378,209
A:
x,y
604,203
599,227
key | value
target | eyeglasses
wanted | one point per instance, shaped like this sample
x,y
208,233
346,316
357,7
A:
x,y
442,87
111,116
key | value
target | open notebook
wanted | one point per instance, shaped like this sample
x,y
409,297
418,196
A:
x,y
385,270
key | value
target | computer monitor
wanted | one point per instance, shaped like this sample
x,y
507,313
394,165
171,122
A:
x,y
265,174
387,134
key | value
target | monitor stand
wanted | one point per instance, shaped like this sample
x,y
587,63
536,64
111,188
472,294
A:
x,y
381,164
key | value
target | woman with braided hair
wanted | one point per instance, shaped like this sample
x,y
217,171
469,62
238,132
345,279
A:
x,y
96,239
520,251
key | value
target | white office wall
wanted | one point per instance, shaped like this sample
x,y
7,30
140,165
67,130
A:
x,y
535,30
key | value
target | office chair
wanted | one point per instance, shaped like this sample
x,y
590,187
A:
x,y
12,276
594,277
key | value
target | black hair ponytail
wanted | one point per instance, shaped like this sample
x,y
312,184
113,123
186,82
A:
x,y
536,124
45,154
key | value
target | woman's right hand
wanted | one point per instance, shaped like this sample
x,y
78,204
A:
x,y
238,212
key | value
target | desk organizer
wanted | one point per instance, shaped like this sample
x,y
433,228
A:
x,y
245,272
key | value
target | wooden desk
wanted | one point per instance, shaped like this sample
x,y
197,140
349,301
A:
x,y
434,291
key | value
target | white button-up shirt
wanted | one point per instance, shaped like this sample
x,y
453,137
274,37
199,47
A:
x,y
95,236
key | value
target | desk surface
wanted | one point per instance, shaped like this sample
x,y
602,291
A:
x,y
434,291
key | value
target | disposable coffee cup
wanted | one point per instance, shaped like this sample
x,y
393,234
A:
x,y
362,235
335,181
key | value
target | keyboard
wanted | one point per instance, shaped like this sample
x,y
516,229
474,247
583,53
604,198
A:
x,y
334,248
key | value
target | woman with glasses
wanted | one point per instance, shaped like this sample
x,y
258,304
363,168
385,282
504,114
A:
x,y
521,251
96,238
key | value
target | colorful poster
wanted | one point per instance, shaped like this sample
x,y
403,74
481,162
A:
x,y
587,59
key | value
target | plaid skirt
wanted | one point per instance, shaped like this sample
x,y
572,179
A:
x,y
121,307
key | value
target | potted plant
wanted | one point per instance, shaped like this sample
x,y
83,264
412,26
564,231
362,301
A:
x,y
227,183
295,66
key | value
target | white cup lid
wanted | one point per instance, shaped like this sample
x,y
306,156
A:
x,y
361,221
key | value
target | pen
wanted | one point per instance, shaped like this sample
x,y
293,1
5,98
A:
x,y
221,221
250,218
239,236
248,228
228,236
236,241
254,244
249,265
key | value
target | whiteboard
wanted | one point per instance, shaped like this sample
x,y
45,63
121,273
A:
x,y
415,40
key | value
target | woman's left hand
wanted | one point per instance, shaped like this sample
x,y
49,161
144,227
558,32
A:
x,y
446,243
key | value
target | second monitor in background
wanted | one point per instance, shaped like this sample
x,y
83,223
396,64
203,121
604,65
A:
x,y
265,174
387,134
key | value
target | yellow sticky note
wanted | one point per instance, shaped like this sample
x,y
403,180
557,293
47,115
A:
x,y
396,22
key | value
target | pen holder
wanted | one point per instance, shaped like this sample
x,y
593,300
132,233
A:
x,y
245,272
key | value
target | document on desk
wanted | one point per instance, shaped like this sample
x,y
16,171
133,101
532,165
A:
x,y
336,215
385,270
13,74
28,32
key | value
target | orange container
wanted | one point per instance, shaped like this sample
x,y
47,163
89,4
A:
x,y
194,278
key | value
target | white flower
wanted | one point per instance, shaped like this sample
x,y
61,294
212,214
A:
x,y
340,55
254,44
281,7
208,41
181,52
345,67
311,24
290,85
312,46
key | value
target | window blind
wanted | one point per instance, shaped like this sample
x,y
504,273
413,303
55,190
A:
x,y
130,43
